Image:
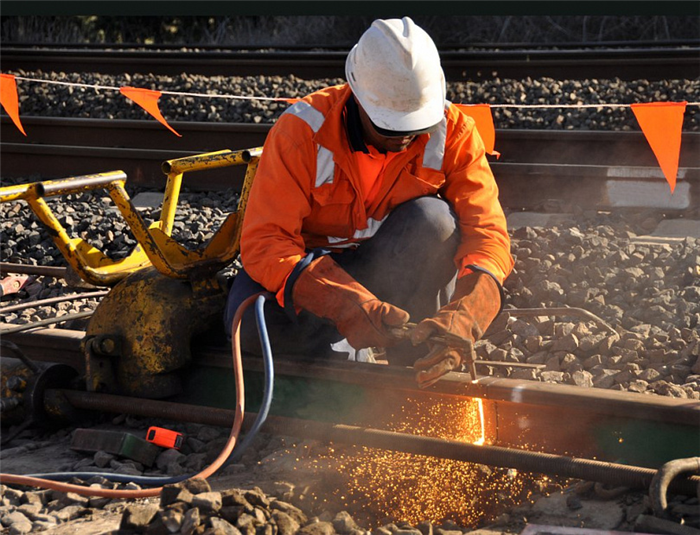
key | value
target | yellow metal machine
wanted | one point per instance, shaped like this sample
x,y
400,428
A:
x,y
163,293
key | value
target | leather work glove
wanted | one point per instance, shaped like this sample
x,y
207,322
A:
x,y
475,304
327,290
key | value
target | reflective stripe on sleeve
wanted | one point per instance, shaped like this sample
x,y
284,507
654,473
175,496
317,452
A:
x,y
325,167
307,113
372,228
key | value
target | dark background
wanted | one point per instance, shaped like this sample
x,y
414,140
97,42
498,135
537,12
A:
x,y
329,30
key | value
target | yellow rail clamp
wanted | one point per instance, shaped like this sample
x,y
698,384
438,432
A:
x,y
165,253
155,244
91,264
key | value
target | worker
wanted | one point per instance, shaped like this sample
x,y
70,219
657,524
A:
x,y
374,205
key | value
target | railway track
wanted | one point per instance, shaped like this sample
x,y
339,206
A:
x,y
631,63
559,430
522,415
598,169
545,434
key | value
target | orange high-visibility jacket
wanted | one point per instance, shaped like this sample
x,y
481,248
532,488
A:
x,y
306,190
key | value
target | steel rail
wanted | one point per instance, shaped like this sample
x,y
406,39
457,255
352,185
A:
x,y
529,461
627,63
521,185
344,47
611,148
63,345
326,47
557,418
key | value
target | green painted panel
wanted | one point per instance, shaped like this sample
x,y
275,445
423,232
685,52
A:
x,y
647,443
633,442
296,397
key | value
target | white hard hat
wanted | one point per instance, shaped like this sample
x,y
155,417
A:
x,y
394,71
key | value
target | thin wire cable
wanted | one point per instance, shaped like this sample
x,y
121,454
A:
x,y
177,93
43,323
290,99
52,301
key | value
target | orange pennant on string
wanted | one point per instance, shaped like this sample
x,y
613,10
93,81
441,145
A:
x,y
148,100
9,100
481,113
662,124
291,100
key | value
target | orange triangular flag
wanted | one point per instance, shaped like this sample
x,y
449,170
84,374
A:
x,y
481,113
291,100
662,124
9,100
148,100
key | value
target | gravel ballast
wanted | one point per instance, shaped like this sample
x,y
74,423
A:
x,y
647,292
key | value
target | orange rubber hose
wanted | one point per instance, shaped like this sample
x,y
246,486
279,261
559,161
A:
x,y
14,479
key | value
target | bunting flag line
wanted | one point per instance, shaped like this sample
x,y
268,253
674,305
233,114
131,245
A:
x,y
481,113
9,100
662,123
148,100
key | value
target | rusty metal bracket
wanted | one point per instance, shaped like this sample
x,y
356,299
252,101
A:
x,y
662,479
13,284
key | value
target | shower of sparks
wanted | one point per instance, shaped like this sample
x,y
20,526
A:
x,y
413,488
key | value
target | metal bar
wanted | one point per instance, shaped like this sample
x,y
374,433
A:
x,y
528,461
211,160
89,263
43,323
515,391
14,193
171,197
54,188
51,344
51,301
50,271
561,419
561,311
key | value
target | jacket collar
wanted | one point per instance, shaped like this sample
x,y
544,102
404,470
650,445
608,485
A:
x,y
353,125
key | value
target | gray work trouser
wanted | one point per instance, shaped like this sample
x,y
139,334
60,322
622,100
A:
x,y
409,263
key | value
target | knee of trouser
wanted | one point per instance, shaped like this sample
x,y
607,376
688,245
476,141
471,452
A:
x,y
433,218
